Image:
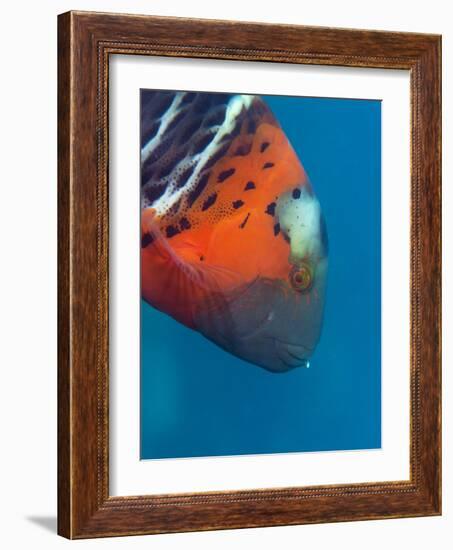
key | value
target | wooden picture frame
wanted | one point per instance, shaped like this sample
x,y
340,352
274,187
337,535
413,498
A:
x,y
85,42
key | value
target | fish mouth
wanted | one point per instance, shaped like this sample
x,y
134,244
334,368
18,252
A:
x,y
292,355
266,334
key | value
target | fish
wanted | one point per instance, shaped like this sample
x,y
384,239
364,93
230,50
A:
x,y
233,239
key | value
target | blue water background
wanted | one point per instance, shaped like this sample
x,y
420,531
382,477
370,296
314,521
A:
x,y
198,400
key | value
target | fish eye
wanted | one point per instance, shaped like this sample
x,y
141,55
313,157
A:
x,y
301,277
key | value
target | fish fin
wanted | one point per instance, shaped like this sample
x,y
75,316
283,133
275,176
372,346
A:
x,y
177,285
204,275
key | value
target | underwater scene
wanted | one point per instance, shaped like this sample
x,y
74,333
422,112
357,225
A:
x,y
260,274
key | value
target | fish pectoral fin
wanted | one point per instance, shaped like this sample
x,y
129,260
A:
x,y
188,281
200,287
219,278
189,251
187,258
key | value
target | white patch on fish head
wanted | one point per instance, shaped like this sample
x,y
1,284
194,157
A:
x,y
299,214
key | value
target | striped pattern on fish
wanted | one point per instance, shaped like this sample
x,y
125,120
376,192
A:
x,y
233,241
183,135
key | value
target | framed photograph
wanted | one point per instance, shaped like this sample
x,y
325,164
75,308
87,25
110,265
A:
x,y
249,275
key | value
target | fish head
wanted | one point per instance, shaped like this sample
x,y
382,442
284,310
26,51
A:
x,y
275,319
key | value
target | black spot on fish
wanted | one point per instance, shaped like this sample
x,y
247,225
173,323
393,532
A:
x,y
276,229
238,204
216,156
209,201
150,132
245,221
249,185
153,192
268,165
147,239
189,131
203,143
201,258
184,223
264,146
243,150
185,175
287,238
171,231
296,193
225,174
198,189
270,209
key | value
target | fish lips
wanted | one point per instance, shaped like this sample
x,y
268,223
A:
x,y
292,355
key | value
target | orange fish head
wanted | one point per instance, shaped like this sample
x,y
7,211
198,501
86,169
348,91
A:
x,y
274,320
